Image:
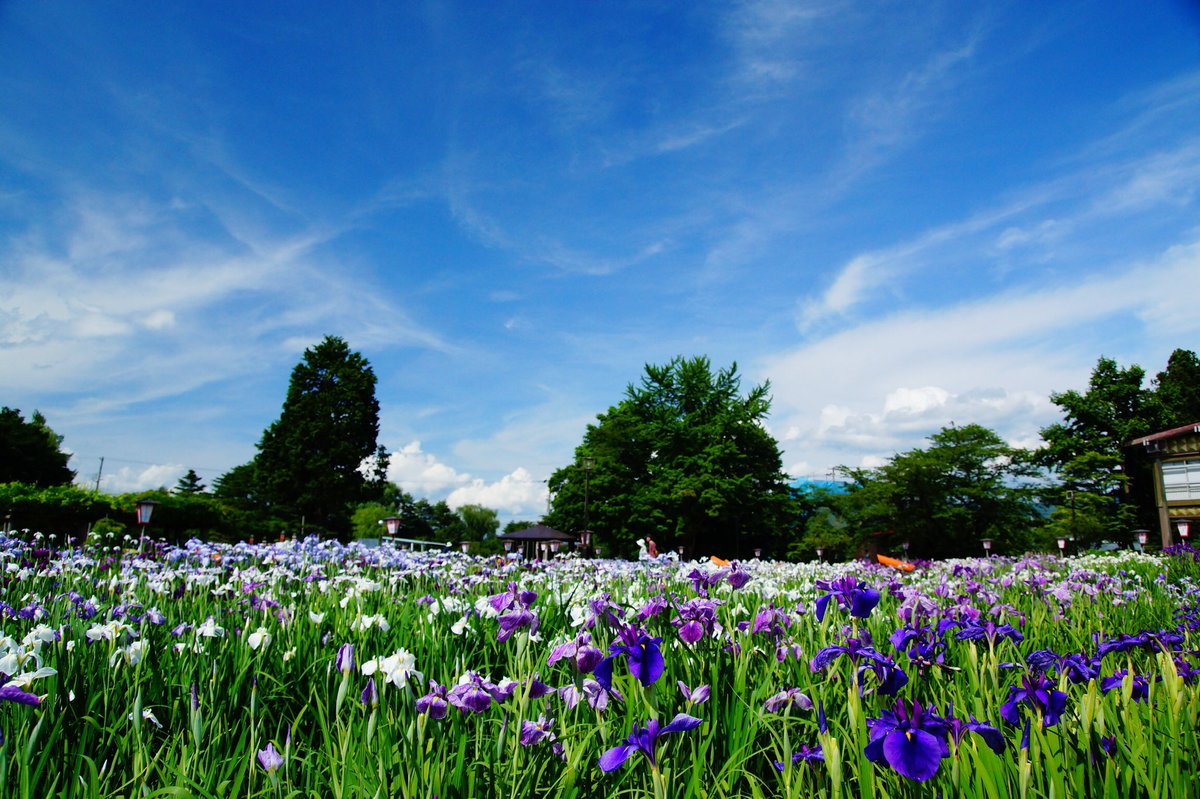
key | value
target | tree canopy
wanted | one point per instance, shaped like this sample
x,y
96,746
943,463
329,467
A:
x,y
321,456
966,486
1105,490
684,459
190,483
30,451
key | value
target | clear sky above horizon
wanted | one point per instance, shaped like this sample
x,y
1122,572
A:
x,y
900,214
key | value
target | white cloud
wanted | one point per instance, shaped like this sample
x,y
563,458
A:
x,y
126,479
421,473
517,493
993,361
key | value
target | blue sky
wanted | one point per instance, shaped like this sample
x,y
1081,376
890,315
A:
x,y
901,214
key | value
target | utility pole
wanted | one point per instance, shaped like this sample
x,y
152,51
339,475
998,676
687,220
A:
x,y
100,472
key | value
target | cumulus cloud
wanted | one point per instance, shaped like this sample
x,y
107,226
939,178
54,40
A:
x,y
421,473
126,479
517,493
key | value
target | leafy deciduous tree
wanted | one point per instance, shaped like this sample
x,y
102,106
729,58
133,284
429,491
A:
x,y
683,458
966,486
1103,489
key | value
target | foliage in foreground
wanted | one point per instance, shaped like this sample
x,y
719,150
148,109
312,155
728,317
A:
x,y
311,669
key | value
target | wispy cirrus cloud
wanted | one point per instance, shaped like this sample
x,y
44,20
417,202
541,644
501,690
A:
x,y
991,361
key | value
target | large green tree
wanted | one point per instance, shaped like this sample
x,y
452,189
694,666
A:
x,y
683,458
1102,489
322,456
966,486
30,451
1176,399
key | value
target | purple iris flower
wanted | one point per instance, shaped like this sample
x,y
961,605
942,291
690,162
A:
x,y
694,696
593,693
857,649
738,577
652,608
370,694
974,631
1141,686
641,654
474,694
786,700
603,611
580,651
958,729
435,703
1079,669
889,677
846,592
644,740
11,693
696,620
345,659
269,759
514,607
811,755
534,732
1038,693
911,743
771,620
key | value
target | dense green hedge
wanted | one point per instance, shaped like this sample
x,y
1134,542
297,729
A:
x,y
72,511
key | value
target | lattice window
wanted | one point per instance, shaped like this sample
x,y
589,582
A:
x,y
1181,480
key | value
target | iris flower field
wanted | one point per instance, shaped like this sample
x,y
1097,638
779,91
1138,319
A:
x,y
313,669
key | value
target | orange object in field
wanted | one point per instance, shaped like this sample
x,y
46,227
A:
x,y
895,564
714,560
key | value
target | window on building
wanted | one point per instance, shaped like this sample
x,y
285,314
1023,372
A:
x,y
1181,480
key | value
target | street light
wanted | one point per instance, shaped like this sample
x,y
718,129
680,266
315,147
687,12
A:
x,y
904,546
587,463
757,553
1183,530
465,546
392,523
508,546
1142,537
554,545
1062,546
820,553
987,547
145,508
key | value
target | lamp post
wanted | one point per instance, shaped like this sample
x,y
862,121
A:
x,y
757,553
904,546
392,525
554,546
465,546
1142,537
987,547
145,508
820,553
586,463
1184,529
1062,547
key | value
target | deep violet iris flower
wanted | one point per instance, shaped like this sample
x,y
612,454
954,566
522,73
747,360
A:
x,y
644,739
911,743
1038,693
641,654
845,591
